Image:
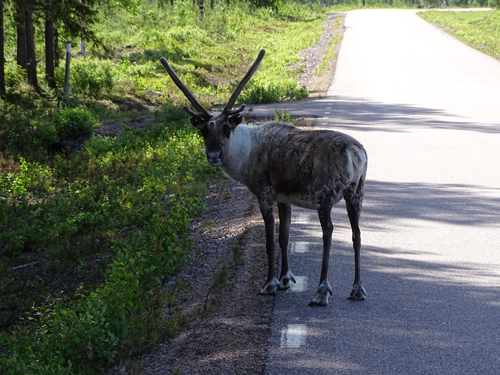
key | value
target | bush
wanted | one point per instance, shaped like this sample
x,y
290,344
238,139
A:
x,y
63,341
30,131
71,122
262,93
88,77
15,76
25,130
153,190
273,4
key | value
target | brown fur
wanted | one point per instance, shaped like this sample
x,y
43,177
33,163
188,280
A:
x,y
282,164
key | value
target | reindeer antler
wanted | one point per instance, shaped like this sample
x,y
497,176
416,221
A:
x,y
227,111
202,112
228,108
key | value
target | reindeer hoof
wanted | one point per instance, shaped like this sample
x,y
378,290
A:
x,y
358,293
286,281
270,287
321,296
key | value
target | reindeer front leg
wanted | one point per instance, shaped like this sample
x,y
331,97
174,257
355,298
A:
x,y
272,282
286,275
324,290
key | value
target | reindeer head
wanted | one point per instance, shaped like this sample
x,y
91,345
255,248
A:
x,y
215,128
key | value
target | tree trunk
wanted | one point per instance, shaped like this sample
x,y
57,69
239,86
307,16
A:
x,y
30,50
57,54
83,45
2,57
49,51
21,55
202,10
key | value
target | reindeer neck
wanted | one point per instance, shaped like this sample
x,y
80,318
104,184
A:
x,y
242,144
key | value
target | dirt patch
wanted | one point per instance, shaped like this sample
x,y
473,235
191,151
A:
x,y
230,335
115,128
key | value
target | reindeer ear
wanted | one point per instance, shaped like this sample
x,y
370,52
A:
x,y
234,120
196,122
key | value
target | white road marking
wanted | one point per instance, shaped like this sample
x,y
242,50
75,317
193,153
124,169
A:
x,y
327,113
300,284
299,247
303,219
293,336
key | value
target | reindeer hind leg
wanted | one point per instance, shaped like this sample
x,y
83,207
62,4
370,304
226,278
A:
x,y
324,213
353,205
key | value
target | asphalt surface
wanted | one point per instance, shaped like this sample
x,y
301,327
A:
x,y
427,109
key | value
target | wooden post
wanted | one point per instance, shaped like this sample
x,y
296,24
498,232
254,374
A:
x,y
66,75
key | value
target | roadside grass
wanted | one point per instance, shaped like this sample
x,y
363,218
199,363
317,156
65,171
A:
x,y
330,55
210,56
480,30
98,235
88,239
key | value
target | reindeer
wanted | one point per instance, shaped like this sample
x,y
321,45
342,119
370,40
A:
x,y
281,163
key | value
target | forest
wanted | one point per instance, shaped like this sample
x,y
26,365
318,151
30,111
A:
x,y
100,171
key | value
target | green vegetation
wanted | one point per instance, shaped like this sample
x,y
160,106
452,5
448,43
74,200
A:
x,y
90,237
238,254
91,232
219,283
283,116
333,45
480,30
107,228
209,55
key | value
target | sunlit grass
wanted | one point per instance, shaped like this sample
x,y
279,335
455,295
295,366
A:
x,y
211,55
481,30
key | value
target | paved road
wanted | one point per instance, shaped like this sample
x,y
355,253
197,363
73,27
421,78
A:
x,y
427,109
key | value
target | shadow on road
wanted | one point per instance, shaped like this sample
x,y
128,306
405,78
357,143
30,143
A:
x,y
352,113
432,314
441,317
450,203
437,312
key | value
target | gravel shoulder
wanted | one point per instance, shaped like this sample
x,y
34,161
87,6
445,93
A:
x,y
229,335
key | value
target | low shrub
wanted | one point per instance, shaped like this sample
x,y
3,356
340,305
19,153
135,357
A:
x,y
72,122
15,76
125,202
261,92
88,77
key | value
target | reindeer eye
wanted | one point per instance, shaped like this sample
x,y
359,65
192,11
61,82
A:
x,y
226,130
